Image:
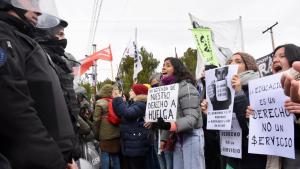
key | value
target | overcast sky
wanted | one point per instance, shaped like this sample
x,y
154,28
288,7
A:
x,y
164,24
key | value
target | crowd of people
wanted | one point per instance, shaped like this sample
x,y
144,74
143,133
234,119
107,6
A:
x,y
45,121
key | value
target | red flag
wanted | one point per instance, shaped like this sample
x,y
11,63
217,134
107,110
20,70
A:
x,y
104,54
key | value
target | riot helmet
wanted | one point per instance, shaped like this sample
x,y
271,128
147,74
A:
x,y
48,16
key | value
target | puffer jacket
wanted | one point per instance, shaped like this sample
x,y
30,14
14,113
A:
x,y
134,136
188,111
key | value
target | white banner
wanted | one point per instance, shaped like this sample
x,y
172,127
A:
x,y
231,140
162,102
220,97
271,129
227,36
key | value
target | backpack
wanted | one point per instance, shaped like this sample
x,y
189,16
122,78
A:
x,y
111,116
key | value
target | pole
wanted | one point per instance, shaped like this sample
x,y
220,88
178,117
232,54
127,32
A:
x,y
271,32
111,66
242,34
112,71
94,72
136,54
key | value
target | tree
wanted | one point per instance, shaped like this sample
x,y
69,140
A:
x,y
88,88
106,81
190,60
149,64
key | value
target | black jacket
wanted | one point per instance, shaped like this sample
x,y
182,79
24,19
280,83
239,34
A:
x,y
35,127
65,75
248,161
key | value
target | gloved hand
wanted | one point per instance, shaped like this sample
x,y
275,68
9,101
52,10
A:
x,y
161,124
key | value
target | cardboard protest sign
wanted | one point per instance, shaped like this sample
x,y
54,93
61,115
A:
x,y
271,129
220,97
162,102
231,140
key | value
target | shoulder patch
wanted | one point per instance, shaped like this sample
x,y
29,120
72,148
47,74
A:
x,y
3,57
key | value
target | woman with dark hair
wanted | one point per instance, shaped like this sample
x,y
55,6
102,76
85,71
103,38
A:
x,y
283,58
189,143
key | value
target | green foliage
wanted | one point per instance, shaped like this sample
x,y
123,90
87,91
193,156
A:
x,y
89,89
106,81
149,65
190,60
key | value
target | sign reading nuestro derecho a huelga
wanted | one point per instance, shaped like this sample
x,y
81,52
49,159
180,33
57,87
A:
x,y
162,102
271,129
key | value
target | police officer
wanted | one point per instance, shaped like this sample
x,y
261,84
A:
x,y
35,128
53,41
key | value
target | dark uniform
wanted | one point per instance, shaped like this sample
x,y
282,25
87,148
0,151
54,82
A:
x,y
55,49
35,127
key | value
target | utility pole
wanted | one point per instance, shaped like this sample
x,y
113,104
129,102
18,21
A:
x,y
94,72
271,31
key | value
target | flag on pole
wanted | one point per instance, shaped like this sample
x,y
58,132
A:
x,y
104,54
226,38
132,51
137,62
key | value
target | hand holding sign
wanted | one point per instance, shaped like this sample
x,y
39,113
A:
x,y
161,124
292,107
236,83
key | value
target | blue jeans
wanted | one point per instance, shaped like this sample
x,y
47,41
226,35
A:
x,y
105,160
165,159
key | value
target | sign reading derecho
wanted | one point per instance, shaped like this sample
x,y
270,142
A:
x,y
162,102
220,97
271,129
231,140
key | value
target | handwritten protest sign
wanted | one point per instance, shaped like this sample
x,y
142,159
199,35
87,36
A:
x,y
220,97
271,129
231,140
162,102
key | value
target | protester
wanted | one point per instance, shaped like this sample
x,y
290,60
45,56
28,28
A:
x,y
291,53
164,159
134,136
212,138
42,136
109,134
283,58
247,70
189,145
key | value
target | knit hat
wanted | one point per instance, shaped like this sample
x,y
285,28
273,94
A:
x,y
139,89
249,61
106,91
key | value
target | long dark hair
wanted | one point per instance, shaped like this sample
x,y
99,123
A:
x,y
291,52
180,71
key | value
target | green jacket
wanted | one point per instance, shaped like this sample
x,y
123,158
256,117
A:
x,y
107,131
